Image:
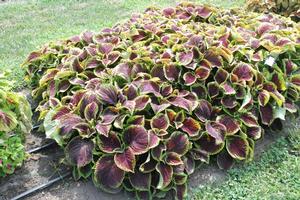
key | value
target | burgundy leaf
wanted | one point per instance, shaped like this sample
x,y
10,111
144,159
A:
x,y
203,11
130,92
203,110
232,126
76,98
64,85
140,181
165,175
208,144
137,120
109,115
202,72
229,101
185,58
76,66
249,120
178,143
243,72
105,48
111,58
107,175
266,114
147,87
61,112
123,70
224,160
198,154
171,115
290,106
173,158
168,12
92,63
254,132
221,76
181,191
213,59
237,147
68,122
153,140
109,144
264,28
189,164
216,130
108,94
189,78
160,121
125,160
136,137
171,72
141,102
213,89
103,129
179,118
183,102
228,89
159,108
79,152
263,97
158,151
191,127
85,99
166,90
148,166
180,179
91,111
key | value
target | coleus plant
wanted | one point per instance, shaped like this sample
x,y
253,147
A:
x,y
287,8
139,106
15,122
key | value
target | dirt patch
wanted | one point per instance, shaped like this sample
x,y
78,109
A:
x,y
37,169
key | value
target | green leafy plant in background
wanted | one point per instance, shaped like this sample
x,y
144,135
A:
x,y
15,122
139,106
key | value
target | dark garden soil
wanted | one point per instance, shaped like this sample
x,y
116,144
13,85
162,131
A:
x,y
45,165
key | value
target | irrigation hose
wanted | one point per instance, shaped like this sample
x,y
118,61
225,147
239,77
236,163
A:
x,y
41,187
37,149
45,185
35,127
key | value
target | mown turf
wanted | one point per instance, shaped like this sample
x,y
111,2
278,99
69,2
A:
x,y
275,176
26,25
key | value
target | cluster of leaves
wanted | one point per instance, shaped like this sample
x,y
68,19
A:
x,y
15,121
287,8
140,105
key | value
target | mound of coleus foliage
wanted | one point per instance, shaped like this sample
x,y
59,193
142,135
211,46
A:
x,y
15,122
140,105
287,8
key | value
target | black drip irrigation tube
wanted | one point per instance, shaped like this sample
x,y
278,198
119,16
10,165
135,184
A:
x,y
41,187
37,149
49,182
35,127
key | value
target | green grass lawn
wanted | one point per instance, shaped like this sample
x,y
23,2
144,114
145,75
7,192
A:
x,y
26,25
275,176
